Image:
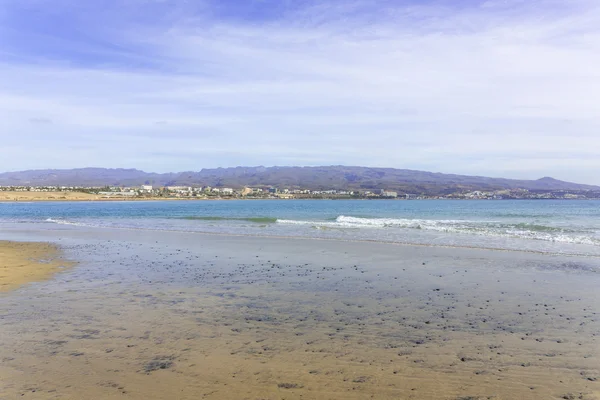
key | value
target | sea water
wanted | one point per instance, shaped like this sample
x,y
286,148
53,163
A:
x,y
545,226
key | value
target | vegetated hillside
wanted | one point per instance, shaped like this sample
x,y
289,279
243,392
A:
x,y
315,178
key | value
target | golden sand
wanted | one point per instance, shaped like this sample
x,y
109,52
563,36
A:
x,y
47,196
21,263
11,196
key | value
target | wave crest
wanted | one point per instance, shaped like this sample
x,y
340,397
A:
x,y
486,228
61,221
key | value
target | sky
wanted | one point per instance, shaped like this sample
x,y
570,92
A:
x,y
507,88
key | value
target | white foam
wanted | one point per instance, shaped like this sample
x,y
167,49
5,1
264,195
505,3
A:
x,y
484,228
356,222
459,227
65,222
401,222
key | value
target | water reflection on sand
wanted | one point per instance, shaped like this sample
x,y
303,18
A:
x,y
171,315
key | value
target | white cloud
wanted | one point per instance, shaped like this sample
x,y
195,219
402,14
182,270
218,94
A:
x,y
501,89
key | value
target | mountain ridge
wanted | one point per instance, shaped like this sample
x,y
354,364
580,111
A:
x,y
315,178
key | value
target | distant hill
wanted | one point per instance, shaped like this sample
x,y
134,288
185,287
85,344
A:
x,y
315,178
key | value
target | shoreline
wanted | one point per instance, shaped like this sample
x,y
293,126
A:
x,y
344,240
44,197
81,197
123,233
27,262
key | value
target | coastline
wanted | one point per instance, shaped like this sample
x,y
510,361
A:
x,y
41,197
25,262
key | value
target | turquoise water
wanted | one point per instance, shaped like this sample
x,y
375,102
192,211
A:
x,y
571,227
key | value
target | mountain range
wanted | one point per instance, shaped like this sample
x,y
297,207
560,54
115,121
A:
x,y
314,178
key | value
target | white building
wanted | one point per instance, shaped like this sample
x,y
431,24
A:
x,y
117,194
179,189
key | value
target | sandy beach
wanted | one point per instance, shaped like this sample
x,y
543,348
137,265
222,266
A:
x,y
156,315
21,263
8,196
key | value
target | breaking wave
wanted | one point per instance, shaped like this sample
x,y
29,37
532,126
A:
x,y
358,222
61,221
369,226
486,228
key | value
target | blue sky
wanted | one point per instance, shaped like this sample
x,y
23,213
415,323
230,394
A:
x,y
500,88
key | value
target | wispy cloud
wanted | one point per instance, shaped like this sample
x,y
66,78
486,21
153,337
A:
x,y
498,87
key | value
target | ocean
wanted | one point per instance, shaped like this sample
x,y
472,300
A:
x,y
554,227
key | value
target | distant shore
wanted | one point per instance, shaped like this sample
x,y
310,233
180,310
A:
x,y
14,197
25,197
28,262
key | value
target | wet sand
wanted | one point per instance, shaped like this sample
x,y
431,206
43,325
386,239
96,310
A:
x,y
155,315
21,263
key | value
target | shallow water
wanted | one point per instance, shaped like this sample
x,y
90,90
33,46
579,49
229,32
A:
x,y
172,315
554,227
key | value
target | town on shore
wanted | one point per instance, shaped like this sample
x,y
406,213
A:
x,y
206,192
